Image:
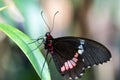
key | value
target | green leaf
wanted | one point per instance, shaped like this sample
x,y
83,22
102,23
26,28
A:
x,y
35,57
3,8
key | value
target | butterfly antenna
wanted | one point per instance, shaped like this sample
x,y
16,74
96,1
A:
x,y
53,21
45,21
44,63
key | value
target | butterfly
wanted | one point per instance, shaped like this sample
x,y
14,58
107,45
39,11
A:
x,y
72,55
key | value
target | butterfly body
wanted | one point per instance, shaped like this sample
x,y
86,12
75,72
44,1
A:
x,y
49,42
73,54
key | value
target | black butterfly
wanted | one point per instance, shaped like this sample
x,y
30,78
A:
x,y
72,55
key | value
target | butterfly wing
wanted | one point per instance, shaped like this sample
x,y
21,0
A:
x,y
73,73
95,53
86,51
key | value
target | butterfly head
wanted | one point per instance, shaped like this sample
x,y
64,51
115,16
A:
x,y
48,36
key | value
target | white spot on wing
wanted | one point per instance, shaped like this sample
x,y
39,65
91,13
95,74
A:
x,y
94,65
70,78
83,68
89,67
82,41
80,51
83,60
76,77
80,47
81,74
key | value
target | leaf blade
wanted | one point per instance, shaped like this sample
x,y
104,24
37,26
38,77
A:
x,y
35,57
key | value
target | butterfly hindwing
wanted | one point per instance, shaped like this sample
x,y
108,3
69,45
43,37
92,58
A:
x,y
66,52
74,73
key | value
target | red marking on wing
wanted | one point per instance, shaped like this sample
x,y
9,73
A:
x,y
66,66
70,64
76,55
62,68
75,59
73,63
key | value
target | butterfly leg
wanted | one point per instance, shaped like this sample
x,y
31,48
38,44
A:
x,y
35,40
45,62
38,45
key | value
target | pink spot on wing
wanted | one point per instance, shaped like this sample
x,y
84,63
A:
x,y
76,55
66,66
75,59
70,64
62,68
73,63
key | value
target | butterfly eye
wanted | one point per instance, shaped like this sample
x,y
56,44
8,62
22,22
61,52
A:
x,y
47,34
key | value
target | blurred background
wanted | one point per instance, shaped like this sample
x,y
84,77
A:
x,y
93,19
